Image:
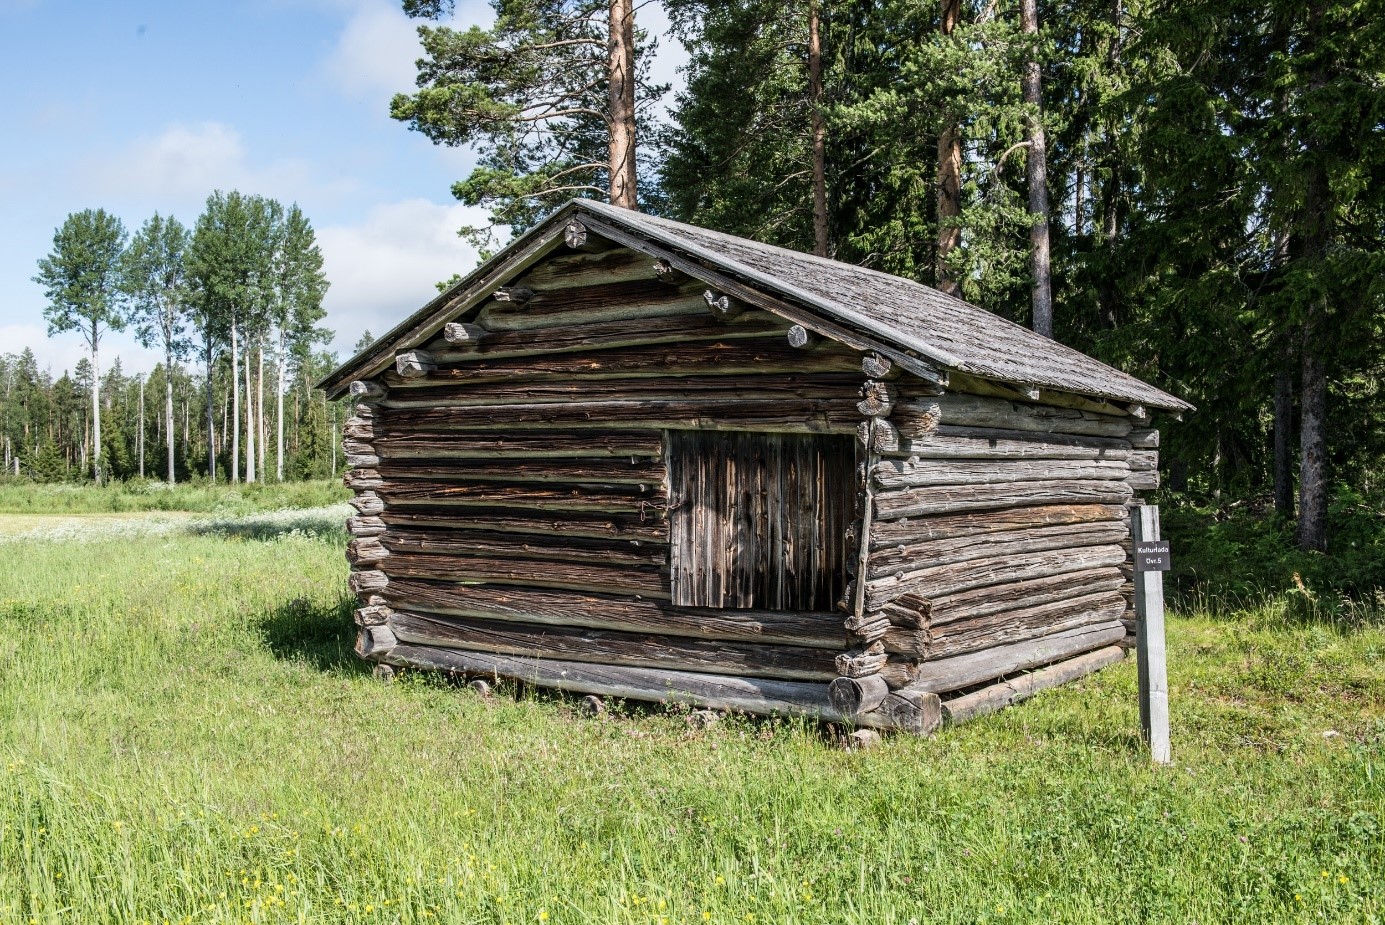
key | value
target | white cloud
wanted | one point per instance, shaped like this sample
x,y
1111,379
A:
x,y
383,268
180,165
375,53
62,352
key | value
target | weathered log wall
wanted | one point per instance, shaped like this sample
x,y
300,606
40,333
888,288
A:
x,y
515,514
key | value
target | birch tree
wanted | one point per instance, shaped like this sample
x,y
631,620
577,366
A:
x,y
81,280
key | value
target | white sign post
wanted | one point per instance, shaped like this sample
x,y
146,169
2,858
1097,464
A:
x,y
1151,561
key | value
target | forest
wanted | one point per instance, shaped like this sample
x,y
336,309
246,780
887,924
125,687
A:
x,y
1192,192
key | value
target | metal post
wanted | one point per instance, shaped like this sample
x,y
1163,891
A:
x,y
1150,652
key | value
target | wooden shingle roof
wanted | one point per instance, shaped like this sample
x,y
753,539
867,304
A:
x,y
908,319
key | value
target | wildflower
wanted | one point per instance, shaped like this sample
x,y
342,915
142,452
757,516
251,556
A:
x,y
543,915
1325,875
720,880
1342,878
706,915
1298,897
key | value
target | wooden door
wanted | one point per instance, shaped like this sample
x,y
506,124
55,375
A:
x,y
759,520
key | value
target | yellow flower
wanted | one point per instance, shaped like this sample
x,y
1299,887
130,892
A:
x,y
1298,897
1325,875
706,916
720,881
1342,878
543,915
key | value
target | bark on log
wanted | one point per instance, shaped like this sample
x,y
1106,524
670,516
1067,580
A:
x,y
980,573
535,444
950,674
367,503
573,576
982,443
365,526
614,647
910,473
910,529
364,551
591,304
650,528
601,611
1001,695
916,502
915,419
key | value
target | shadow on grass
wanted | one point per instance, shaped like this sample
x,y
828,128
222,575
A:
x,y
320,635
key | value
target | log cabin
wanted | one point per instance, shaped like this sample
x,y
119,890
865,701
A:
x,y
633,458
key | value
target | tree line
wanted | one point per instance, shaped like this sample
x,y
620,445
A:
x,y
1192,191
239,294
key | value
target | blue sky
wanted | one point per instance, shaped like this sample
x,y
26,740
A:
x,y
143,106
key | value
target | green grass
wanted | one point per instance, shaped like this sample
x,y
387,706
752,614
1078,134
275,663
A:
x,y
186,737
22,497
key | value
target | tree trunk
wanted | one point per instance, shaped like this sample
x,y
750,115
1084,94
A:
x,y
1312,470
949,173
1037,170
211,419
249,424
261,429
1283,436
279,415
819,130
141,427
235,404
95,404
621,76
168,410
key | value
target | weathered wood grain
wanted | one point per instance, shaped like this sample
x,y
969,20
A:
x,y
636,470
1021,687
885,560
556,573
910,473
493,544
979,573
918,529
980,411
521,445
640,298
950,442
1145,438
367,503
615,647
566,271
915,610
647,527
612,497
959,671
604,611
975,634
782,386
850,696
917,502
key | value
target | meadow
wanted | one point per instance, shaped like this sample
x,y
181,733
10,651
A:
x,y
185,736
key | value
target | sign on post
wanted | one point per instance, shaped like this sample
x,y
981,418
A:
x,y
1152,558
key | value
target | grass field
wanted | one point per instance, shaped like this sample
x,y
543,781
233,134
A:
x,y
186,737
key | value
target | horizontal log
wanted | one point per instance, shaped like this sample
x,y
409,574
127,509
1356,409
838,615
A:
x,y
565,271
781,386
910,473
1144,438
1021,687
789,415
527,445
723,356
765,696
414,364
362,479
877,436
372,615
959,671
375,642
980,411
850,696
665,273
914,711
982,443
979,573
723,307
367,503
459,334
974,634
602,611
572,576
642,298
1143,481
523,546
614,497
1144,460
614,647
635,470
917,529
365,550
367,580
801,338
915,420
1018,544
365,526
366,390
650,528
976,603
600,335
859,662
877,399
361,460
917,502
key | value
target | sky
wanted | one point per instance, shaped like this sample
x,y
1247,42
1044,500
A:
x,y
138,107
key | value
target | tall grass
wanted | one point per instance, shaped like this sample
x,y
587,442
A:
x,y
186,737
19,497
